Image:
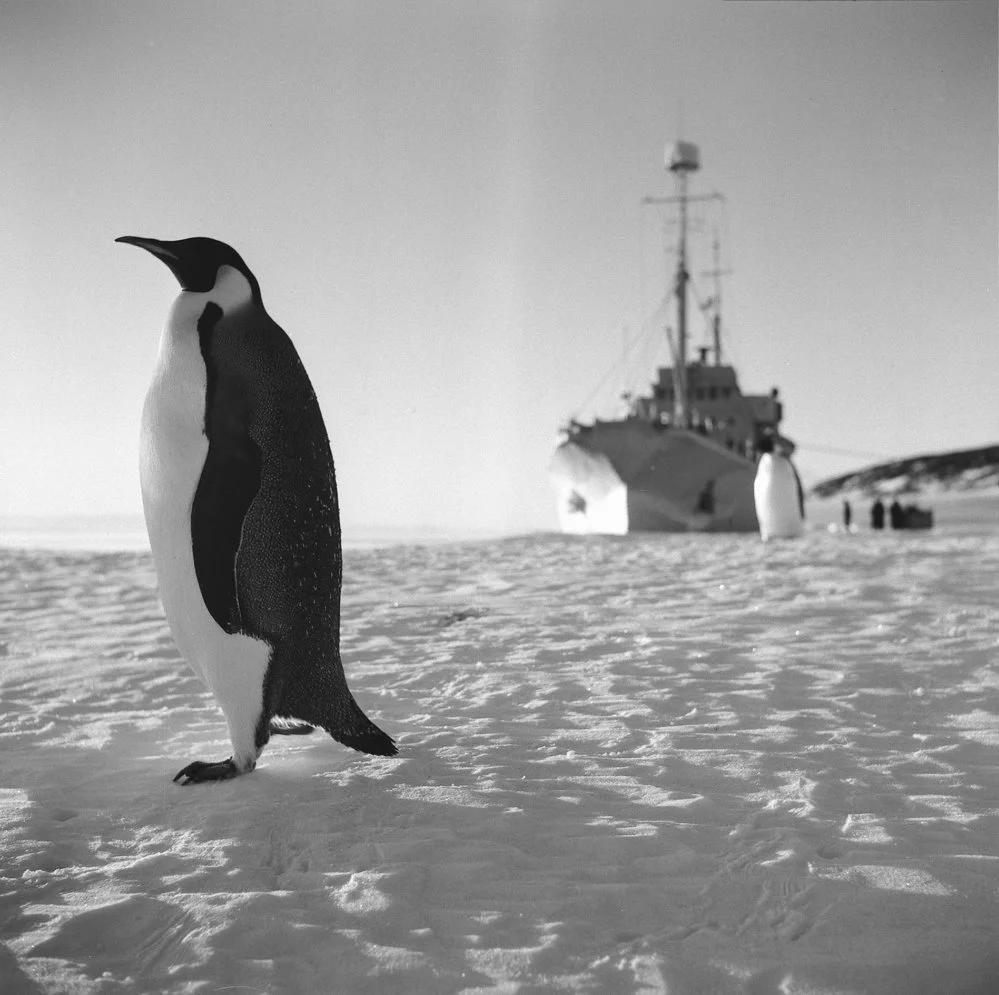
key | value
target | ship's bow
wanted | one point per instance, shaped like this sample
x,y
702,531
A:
x,y
623,477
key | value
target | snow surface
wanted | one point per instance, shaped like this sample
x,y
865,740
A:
x,y
684,764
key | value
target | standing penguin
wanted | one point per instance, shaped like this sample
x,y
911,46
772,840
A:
x,y
240,499
780,499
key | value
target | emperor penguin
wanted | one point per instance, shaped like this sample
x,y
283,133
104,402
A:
x,y
240,500
779,496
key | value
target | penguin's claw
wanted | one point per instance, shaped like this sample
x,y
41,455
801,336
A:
x,y
201,770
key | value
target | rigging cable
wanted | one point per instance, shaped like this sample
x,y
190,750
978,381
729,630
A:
x,y
835,451
702,305
639,339
728,331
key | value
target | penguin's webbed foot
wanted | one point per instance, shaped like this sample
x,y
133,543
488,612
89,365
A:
x,y
202,770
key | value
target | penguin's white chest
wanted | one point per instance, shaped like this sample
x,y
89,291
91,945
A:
x,y
172,452
775,491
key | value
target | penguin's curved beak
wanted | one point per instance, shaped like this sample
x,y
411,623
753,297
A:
x,y
164,251
153,245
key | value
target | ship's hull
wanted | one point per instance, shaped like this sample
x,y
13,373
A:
x,y
630,476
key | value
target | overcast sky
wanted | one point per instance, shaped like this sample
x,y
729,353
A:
x,y
441,203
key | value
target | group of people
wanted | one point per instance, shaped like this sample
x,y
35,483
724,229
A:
x,y
898,517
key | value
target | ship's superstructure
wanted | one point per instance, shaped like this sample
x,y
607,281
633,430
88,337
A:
x,y
684,456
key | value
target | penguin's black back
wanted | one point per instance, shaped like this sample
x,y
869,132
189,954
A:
x,y
269,471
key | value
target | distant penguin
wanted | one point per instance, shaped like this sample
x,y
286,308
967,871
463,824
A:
x,y
780,499
240,499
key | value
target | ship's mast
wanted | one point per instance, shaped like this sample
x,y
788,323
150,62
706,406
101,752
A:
x,y
717,273
681,159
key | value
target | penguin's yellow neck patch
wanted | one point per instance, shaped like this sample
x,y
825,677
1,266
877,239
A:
x,y
231,291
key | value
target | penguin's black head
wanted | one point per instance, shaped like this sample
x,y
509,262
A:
x,y
765,445
194,261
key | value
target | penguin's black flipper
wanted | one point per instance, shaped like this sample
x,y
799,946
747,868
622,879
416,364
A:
x,y
801,491
230,480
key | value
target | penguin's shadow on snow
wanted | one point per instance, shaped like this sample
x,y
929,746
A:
x,y
13,981
78,822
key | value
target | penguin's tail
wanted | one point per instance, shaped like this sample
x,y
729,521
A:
x,y
318,695
358,732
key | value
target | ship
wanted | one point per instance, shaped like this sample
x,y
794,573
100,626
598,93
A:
x,y
683,457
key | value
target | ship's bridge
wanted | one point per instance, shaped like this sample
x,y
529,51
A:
x,y
712,392
766,408
717,406
704,383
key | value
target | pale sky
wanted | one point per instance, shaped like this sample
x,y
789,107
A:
x,y
441,204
